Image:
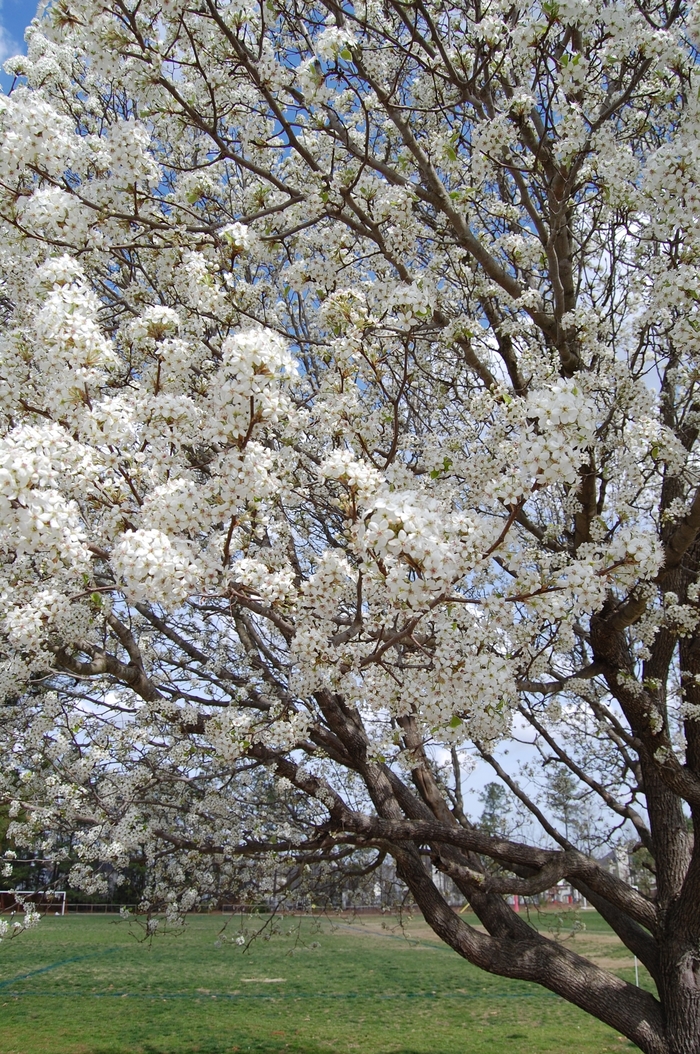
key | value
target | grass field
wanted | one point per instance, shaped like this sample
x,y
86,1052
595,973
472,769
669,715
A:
x,y
84,985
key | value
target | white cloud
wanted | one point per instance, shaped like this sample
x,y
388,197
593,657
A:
x,y
8,45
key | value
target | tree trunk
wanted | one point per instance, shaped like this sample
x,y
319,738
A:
x,y
679,984
630,1010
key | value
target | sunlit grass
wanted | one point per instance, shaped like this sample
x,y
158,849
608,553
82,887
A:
x,y
85,985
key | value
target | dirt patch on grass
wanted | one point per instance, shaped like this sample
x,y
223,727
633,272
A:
x,y
606,950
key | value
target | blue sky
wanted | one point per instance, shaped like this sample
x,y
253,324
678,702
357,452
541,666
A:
x,y
15,16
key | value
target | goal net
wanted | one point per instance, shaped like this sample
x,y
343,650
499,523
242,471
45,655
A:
x,y
45,901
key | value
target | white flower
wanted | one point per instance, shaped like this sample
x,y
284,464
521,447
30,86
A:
x,y
332,41
154,567
237,235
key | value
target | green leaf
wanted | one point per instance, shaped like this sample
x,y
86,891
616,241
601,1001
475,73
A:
x,y
455,721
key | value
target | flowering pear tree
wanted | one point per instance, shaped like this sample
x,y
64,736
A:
x,y
350,358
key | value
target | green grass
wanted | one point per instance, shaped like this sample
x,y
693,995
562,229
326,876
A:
x,y
84,985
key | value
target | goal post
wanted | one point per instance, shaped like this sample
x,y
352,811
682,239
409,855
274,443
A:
x,y
45,901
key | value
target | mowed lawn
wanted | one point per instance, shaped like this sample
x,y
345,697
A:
x,y
84,985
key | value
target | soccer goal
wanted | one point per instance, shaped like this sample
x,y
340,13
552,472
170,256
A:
x,y
45,901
